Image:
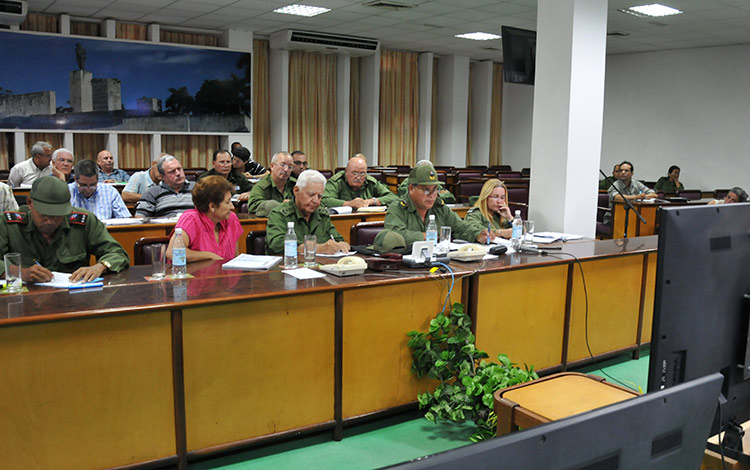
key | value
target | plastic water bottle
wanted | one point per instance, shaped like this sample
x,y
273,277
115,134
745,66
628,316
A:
x,y
290,247
431,233
179,257
517,236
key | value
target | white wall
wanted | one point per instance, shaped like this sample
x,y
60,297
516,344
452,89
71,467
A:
x,y
688,107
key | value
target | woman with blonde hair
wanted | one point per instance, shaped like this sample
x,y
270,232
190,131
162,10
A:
x,y
491,209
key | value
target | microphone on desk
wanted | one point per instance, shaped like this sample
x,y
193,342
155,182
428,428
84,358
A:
x,y
532,249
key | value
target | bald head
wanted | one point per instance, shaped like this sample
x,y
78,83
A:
x,y
356,172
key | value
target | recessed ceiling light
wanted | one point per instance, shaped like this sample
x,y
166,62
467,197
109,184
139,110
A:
x,y
653,10
301,10
478,36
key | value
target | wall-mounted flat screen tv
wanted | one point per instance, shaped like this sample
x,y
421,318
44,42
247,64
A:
x,y
519,55
53,82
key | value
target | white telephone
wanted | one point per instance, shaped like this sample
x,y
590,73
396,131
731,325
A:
x,y
470,252
346,266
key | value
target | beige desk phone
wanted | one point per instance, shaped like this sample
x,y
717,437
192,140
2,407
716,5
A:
x,y
470,252
346,266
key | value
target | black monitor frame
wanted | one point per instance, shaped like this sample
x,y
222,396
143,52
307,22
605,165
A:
x,y
519,55
700,310
657,431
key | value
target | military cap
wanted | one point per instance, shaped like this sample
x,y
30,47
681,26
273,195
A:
x,y
51,196
423,175
388,241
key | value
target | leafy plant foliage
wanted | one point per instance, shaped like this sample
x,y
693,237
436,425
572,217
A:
x,y
446,352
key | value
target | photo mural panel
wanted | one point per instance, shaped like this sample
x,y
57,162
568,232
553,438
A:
x,y
75,83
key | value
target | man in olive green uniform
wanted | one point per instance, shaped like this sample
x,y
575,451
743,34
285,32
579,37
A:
x,y
222,163
355,189
445,195
53,236
275,188
308,217
409,216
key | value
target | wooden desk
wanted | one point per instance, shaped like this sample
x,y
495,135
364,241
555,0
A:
x,y
140,372
649,211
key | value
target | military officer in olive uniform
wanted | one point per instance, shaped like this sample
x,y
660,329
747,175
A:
x,y
446,196
409,216
53,236
355,189
275,188
222,163
308,217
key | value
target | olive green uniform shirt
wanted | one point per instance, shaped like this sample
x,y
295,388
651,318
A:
x,y
475,218
402,217
265,190
665,185
444,194
338,191
80,235
237,179
320,225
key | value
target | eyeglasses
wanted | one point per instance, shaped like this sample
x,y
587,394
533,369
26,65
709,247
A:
x,y
361,174
428,190
298,163
88,186
285,166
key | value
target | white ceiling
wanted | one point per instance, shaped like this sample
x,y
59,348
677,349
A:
x,y
431,24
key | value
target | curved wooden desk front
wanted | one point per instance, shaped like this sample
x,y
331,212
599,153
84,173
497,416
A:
x,y
140,372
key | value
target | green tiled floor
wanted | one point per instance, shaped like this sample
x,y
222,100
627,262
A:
x,y
392,440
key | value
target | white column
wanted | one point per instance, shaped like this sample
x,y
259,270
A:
x,y
19,148
153,33
568,113
452,112
343,84
369,106
110,142
109,29
424,137
278,69
64,24
155,146
481,111
69,142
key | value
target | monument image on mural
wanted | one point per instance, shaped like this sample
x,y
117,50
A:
x,y
122,86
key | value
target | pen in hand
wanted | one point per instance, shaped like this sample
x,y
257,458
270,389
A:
x,y
489,232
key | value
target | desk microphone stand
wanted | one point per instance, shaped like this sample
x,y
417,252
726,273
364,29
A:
x,y
628,205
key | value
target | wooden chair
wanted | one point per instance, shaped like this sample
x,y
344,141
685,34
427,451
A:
x,y
363,233
603,231
554,397
142,248
690,193
255,243
466,189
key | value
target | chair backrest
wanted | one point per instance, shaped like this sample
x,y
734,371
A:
x,y
690,193
142,248
326,173
468,175
255,243
525,172
504,174
720,193
466,189
500,168
518,195
378,175
602,205
364,233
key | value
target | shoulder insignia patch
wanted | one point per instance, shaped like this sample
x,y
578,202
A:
x,y
402,204
78,218
15,217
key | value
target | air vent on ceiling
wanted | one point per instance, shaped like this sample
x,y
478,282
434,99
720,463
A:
x,y
354,46
12,12
388,5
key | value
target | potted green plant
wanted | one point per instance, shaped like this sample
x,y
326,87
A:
x,y
447,353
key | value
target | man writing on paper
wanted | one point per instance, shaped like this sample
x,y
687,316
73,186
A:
x,y
53,236
308,217
355,189
409,216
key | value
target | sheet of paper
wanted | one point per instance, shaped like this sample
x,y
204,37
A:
x,y
122,221
304,273
551,237
338,254
251,262
62,281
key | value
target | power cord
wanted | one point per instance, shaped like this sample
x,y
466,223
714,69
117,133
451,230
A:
x,y
586,320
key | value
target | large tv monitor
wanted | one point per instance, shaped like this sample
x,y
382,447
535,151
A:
x,y
519,55
659,431
700,310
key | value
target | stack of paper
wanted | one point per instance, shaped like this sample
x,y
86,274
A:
x,y
245,262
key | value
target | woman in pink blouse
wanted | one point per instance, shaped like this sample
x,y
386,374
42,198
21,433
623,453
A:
x,y
211,230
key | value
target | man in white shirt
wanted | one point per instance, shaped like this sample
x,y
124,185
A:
x,y
35,167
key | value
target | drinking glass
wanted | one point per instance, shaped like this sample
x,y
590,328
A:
x,y
444,244
311,246
13,282
158,262
528,232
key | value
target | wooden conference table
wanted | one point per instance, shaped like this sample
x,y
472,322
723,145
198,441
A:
x,y
127,235
138,373
649,209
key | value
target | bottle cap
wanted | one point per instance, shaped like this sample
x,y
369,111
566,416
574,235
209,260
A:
x,y
178,231
290,224
432,216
